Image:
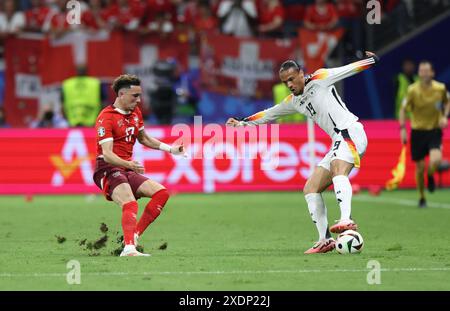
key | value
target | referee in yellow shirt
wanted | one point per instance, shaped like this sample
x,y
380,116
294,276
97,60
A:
x,y
428,102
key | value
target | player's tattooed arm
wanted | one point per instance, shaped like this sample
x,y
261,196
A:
x,y
148,141
153,143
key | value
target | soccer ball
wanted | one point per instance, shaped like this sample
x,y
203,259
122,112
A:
x,y
349,242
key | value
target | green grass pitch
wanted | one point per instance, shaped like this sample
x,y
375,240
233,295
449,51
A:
x,y
230,241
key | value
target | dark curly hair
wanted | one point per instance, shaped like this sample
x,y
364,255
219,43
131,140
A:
x,y
125,81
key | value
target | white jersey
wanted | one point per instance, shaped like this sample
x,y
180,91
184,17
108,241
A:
x,y
319,101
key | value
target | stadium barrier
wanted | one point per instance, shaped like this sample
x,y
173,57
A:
x,y
51,161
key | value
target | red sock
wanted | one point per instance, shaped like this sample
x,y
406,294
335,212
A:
x,y
129,211
152,210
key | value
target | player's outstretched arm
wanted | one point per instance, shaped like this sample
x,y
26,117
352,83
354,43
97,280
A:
x,y
265,116
153,143
110,157
333,75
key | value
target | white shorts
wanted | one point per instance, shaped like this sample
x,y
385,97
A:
x,y
349,145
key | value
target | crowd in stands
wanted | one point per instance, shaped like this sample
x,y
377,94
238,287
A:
x,y
243,18
240,18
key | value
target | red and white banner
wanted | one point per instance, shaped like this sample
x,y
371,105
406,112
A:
x,y
316,46
23,58
62,161
247,67
36,66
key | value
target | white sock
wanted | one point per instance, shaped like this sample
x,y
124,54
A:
x,y
129,247
318,212
343,190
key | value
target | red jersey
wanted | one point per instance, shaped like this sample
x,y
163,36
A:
x,y
268,15
36,17
114,124
315,17
89,18
59,21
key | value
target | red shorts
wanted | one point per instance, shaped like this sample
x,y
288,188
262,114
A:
x,y
107,177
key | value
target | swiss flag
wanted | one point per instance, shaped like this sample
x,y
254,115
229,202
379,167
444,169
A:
x,y
246,67
101,52
105,57
36,62
22,75
145,51
173,46
316,46
57,62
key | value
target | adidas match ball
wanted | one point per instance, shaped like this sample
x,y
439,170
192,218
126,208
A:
x,y
349,242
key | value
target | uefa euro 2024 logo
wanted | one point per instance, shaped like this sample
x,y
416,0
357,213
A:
x,y
73,16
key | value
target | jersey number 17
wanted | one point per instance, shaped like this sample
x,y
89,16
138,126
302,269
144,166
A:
x,y
129,131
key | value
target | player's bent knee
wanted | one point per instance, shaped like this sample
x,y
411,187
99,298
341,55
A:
x,y
123,200
420,167
340,170
163,195
340,167
310,188
122,194
149,189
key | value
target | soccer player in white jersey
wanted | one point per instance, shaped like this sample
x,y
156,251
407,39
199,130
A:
x,y
316,97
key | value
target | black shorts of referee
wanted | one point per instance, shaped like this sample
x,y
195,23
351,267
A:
x,y
422,141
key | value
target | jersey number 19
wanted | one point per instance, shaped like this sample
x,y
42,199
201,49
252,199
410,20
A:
x,y
310,108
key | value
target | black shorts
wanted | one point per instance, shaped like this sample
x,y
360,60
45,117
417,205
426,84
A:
x,y
422,141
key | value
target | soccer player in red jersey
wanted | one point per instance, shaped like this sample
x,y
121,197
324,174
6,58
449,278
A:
x,y
116,174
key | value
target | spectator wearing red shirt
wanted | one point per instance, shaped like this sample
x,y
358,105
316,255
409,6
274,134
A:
x,y
271,18
195,17
95,17
321,16
189,10
123,16
205,20
36,16
164,8
161,25
159,17
56,23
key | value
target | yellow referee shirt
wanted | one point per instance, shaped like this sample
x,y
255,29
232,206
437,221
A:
x,y
425,104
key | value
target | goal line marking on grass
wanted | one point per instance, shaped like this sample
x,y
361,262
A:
x,y
145,273
381,200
